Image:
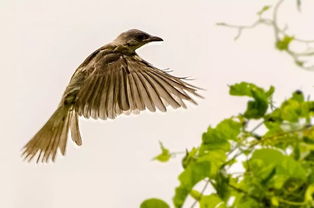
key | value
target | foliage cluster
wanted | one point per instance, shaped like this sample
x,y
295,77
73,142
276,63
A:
x,y
261,158
272,146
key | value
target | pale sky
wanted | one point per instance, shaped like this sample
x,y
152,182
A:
x,y
44,41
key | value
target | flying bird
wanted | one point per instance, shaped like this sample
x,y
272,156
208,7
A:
x,y
111,81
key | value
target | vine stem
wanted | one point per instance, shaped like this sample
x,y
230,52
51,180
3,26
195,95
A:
x,y
202,192
275,19
291,202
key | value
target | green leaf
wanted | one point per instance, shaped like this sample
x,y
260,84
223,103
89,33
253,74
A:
x,y
283,44
193,174
213,140
243,201
154,203
189,157
229,129
243,89
206,166
218,138
264,9
308,136
309,193
222,181
270,92
298,96
292,110
273,169
211,201
196,195
274,201
257,107
164,156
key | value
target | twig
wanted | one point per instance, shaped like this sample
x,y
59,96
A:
x,y
244,192
291,202
306,127
202,192
279,34
240,28
275,19
251,133
174,154
256,127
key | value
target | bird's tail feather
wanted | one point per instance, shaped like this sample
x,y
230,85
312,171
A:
x,y
74,126
53,135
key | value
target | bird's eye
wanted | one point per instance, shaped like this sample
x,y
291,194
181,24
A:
x,y
141,36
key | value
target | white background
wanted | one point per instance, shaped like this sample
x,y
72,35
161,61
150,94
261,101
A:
x,y
42,43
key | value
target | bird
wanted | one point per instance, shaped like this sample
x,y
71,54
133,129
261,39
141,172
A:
x,y
111,81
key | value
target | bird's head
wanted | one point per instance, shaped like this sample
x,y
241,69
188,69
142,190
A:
x,y
133,39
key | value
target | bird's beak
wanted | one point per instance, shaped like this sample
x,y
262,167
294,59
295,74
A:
x,y
154,38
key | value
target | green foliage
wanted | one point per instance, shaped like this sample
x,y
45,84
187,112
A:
x,y
257,107
283,44
264,9
194,173
154,203
207,201
165,155
211,201
275,167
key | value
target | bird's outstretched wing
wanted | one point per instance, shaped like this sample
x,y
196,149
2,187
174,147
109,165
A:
x,y
117,83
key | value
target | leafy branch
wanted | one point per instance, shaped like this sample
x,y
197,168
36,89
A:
x,y
283,40
277,163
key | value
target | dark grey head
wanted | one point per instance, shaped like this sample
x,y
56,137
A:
x,y
134,39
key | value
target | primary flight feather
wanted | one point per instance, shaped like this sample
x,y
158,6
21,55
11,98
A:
x,y
111,81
